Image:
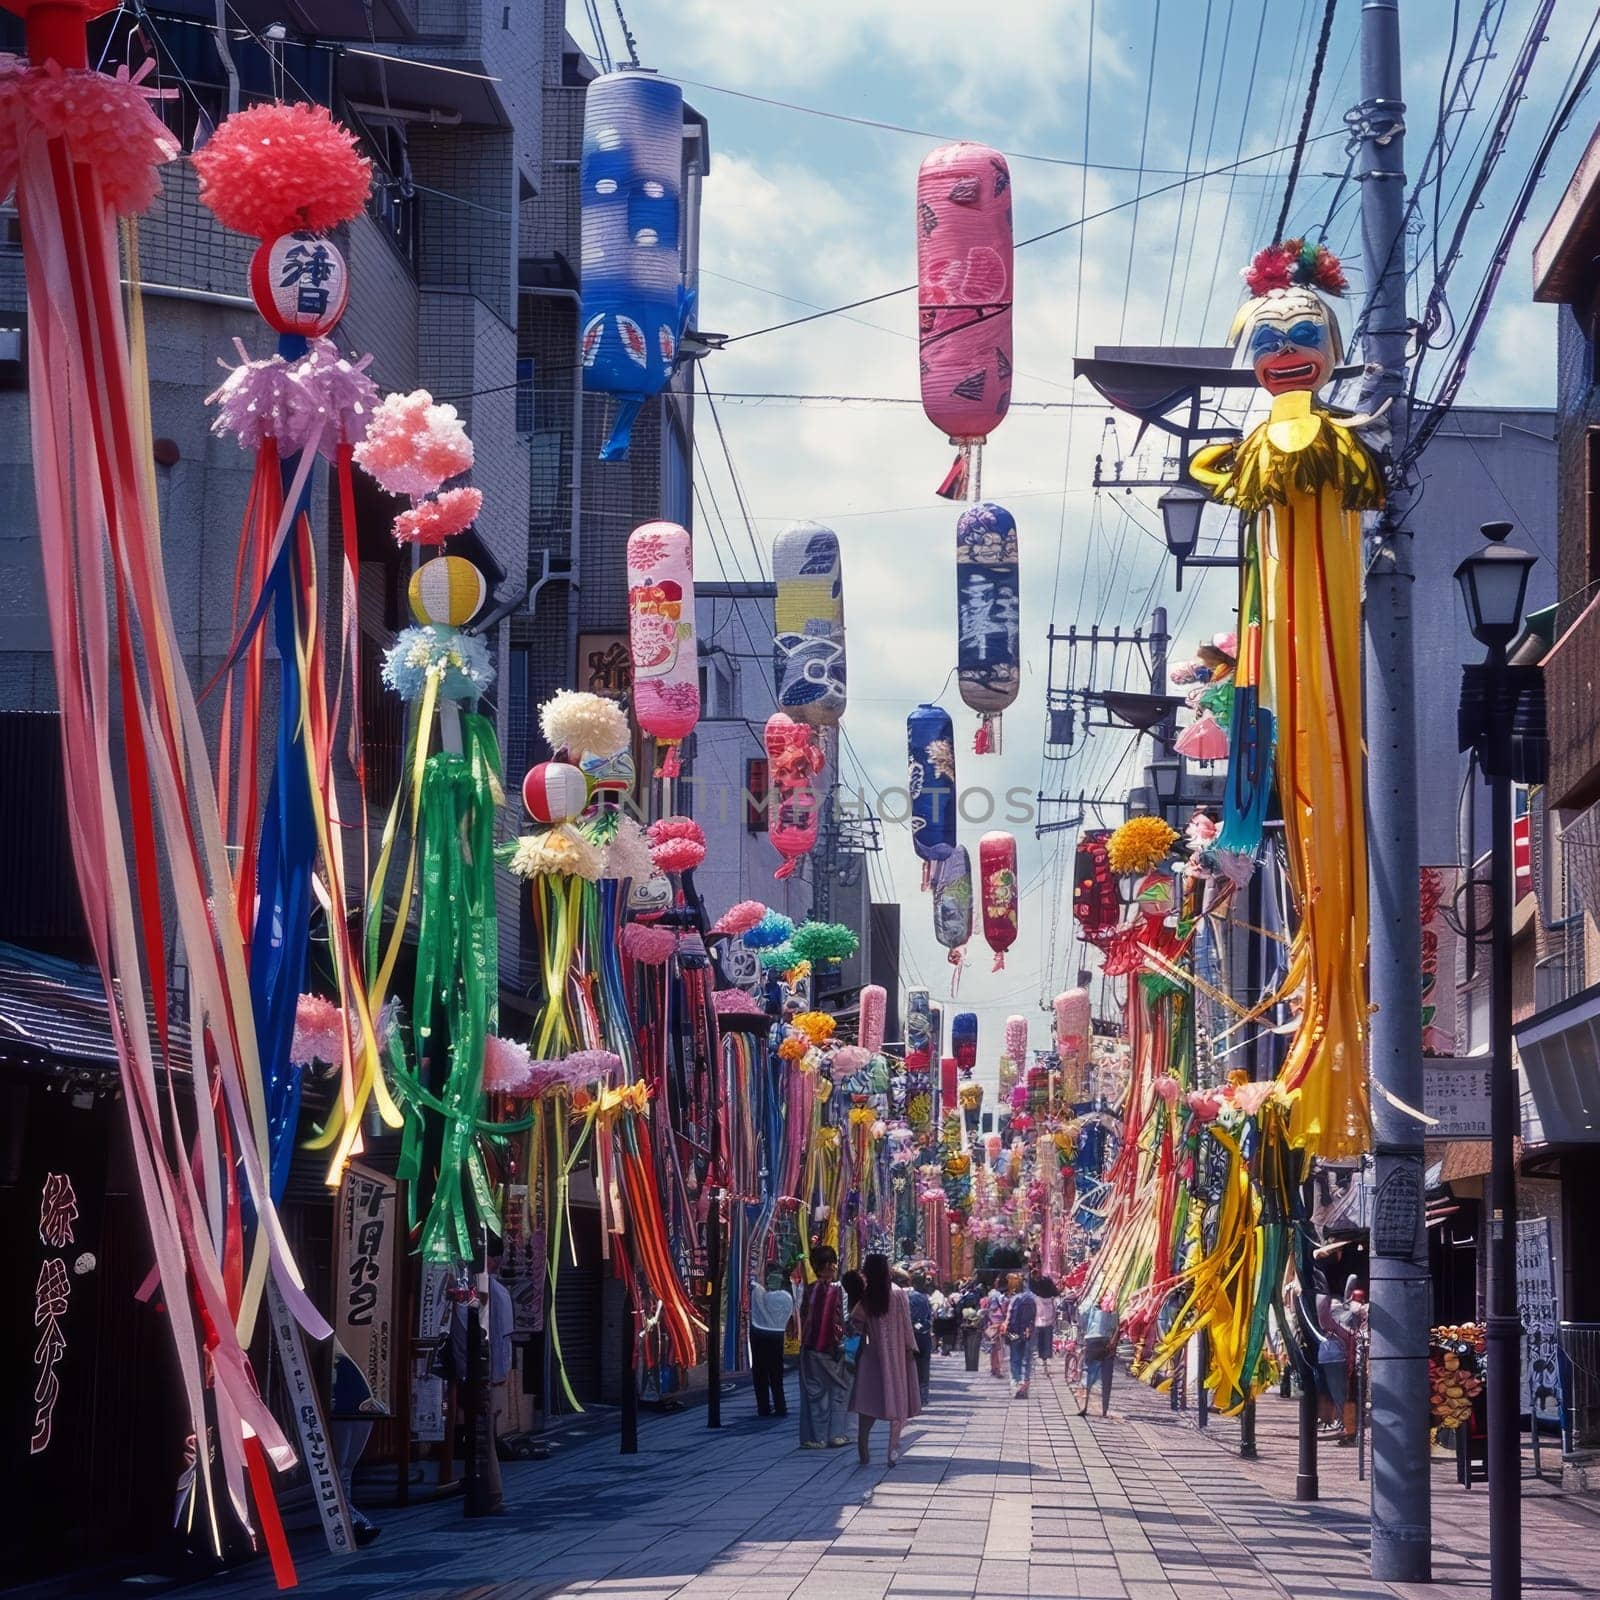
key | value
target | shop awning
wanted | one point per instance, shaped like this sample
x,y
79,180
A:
x,y
1560,1056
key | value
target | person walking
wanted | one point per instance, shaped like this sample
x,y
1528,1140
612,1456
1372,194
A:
x,y
886,1372
945,1317
824,1378
1021,1319
1100,1328
1045,1292
921,1325
771,1310
996,1307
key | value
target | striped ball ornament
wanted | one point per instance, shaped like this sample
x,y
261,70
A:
x,y
448,590
554,792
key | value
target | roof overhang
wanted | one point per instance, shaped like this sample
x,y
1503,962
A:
x,y
1560,1056
1564,257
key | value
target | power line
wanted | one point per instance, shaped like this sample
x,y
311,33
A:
x,y
1305,116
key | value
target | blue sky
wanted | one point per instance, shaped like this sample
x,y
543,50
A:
x,y
803,211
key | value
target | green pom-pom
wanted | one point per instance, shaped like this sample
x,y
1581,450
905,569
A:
x,y
824,941
779,958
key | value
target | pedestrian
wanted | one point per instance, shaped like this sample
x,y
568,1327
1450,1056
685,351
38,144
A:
x,y
824,1378
497,1329
995,1306
854,1286
1045,1291
944,1318
886,1373
1021,1318
1336,1355
771,1310
970,1312
921,1325
355,1409
1099,1338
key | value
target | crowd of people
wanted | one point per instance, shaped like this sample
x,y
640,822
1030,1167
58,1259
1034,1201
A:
x,y
867,1342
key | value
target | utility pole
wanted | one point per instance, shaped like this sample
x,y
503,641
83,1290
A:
x,y
1401,1293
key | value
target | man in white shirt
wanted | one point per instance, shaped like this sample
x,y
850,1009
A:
x,y
771,1309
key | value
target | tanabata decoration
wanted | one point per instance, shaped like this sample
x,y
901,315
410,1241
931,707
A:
x,y
824,942
931,782
919,1020
1140,844
964,261
964,1040
988,612
1095,906
1209,682
1302,479
661,637
81,150
635,307
997,889
794,762
952,908
412,445
808,657
873,1011
1074,1041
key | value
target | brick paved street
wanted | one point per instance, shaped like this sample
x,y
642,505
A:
x,y
993,1497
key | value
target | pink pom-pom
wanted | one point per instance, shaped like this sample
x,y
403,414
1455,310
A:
x,y
435,520
507,1066
677,844
873,1011
1204,1104
849,1059
276,169
319,1032
736,1003
261,400
413,445
593,1066
650,947
1017,1040
1251,1097
1167,1088
740,918
340,394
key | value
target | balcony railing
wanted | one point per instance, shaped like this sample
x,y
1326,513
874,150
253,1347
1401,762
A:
x,y
1572,679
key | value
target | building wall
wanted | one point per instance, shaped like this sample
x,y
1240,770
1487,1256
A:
x,y
1578,410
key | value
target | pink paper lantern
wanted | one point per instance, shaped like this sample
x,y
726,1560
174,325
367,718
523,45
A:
x,y
793,762
874,1009
997,887
964,286
1017,1040
666,674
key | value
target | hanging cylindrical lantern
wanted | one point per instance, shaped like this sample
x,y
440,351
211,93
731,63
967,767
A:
x,y
952,907
988,610
964,299
794,806
1095,904
666,673
635,309
949,1075
931,755
873,1014
1017,1041
919,1020
1074,1041
964,1040
997,875
808,639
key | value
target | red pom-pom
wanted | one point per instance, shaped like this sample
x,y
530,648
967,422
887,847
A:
x,y
277,169
433,521
1328,273
1269,270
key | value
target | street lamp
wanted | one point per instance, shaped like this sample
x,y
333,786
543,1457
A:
x,y
1502,722
1181,508
1165,776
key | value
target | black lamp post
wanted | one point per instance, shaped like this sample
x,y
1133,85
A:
x,y
1502,721
1165,776
1181,509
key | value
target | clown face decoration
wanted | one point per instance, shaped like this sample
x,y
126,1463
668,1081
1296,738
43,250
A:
x,y
1286,332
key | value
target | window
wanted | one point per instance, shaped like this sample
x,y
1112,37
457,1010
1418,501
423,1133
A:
x,y
524,395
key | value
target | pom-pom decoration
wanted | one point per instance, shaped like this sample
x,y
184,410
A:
x,y
635,308
677,844
1139,844
594,1066
872,1016
260,401
651,947
964,285
275,169
997,891
817,1026
779,958
808,641
554,792
848,1060
661,639
579,723
628,856
1295,262
736,1003
824,942
319,1032
794,807
559,852
773,929
988,618
931,756
438,518
340,393
508,1068
739,918
413,444
460,661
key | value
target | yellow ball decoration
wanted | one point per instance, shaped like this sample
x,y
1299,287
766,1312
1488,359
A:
x,y
449,590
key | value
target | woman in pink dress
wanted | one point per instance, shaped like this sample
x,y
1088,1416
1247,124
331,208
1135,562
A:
x,y
886,1370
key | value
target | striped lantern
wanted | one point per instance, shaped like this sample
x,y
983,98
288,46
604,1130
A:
x,y
661,641
554,792
997,888
795,807
988,611
931,754
874,1012
635,308
964,1041
808,657
964,299
448,590
952,906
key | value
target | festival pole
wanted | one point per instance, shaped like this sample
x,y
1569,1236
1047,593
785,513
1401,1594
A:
x,y
1401,1536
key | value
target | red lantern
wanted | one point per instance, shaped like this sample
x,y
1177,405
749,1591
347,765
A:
x,y
997,886
554,792
299,283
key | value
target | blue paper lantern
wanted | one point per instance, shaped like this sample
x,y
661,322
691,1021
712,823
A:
x,y
635,308
964,1040
931,754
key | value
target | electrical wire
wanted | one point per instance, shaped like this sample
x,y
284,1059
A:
x,y
1306,115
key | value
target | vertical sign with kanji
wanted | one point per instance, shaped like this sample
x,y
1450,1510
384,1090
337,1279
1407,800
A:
x,y
58,1212
1536,1304
364,1257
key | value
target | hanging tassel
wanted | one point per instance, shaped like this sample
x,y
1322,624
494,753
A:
x,y
954,486
927,876
669,767
999,961
787,869
956,957
980,741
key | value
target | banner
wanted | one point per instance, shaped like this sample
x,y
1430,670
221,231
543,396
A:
x,y
433,1326
1440,944
1455,1093
365,1224
1536,1304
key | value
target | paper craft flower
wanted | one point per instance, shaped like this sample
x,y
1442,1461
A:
x,y
460,661
593,1066
1204,1104
319,1032
740,918
817,1026
628,854
850,1059
555,852
773,929
275,169
677,844
413,444
650,946
736,1003
434,520
778,958
793,1047
824,941
581,723
507,1066
1140,844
